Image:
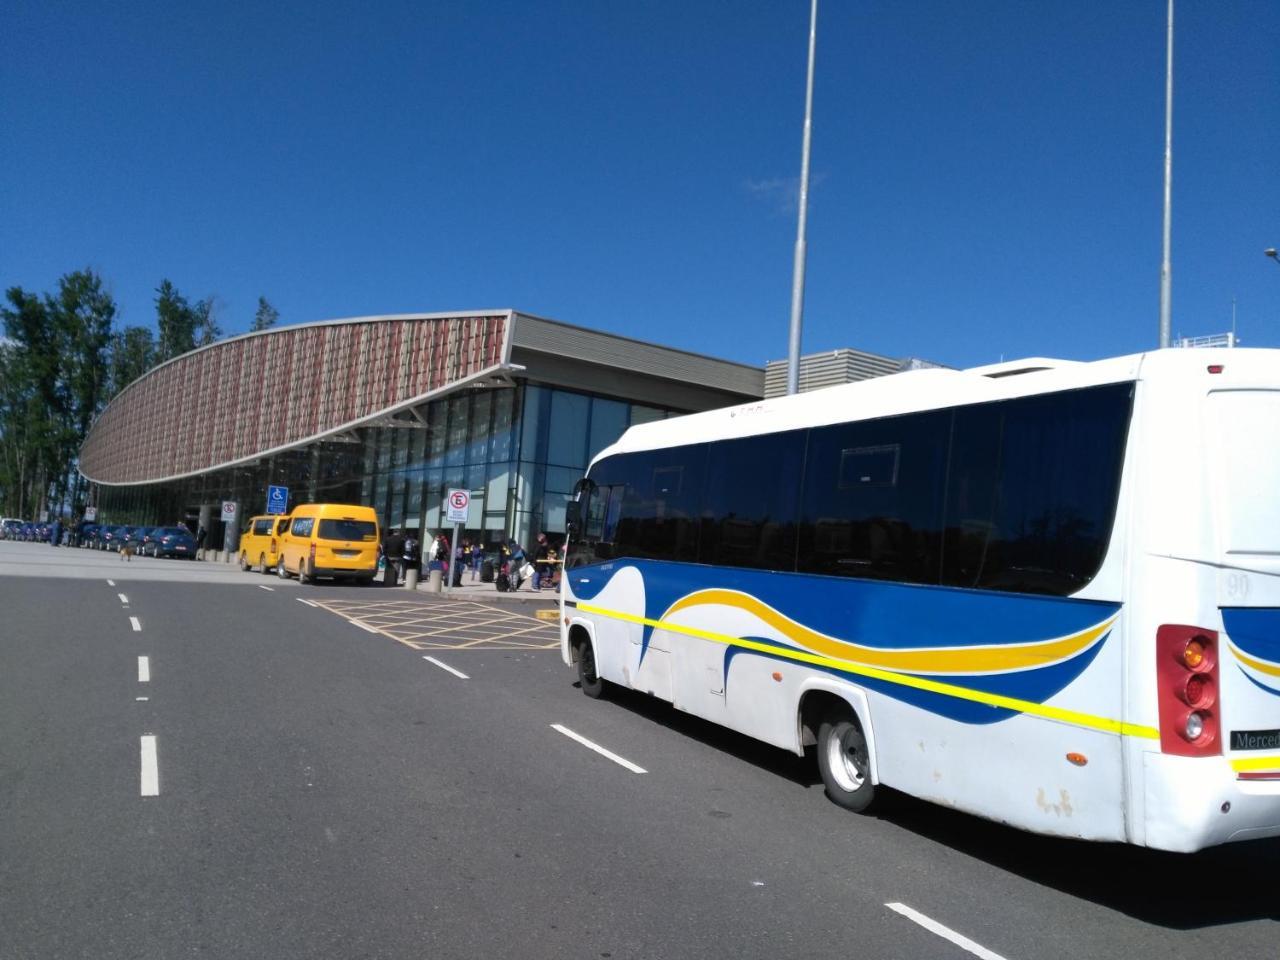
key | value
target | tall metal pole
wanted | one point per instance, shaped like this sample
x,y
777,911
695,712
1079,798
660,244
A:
x,y
797,282
1166,268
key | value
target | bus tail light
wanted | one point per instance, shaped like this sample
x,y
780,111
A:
x,y
312,553
274,548
1187,681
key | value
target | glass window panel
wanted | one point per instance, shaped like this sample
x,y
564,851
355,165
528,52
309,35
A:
x,y
562,479
872,498
750,501
534,419
502,430
566,440
478,432
459,412
642,414
609,419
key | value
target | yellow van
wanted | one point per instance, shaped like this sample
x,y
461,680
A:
x,y
260,543
329,540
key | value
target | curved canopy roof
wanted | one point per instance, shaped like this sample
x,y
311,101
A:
x,y
256,394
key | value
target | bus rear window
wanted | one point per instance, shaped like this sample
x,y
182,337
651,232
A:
x,y
348,530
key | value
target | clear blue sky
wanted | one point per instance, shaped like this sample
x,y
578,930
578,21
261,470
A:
x,y
987,174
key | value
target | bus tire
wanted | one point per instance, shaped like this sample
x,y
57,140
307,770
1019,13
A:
x,y
588,676
303,575
281,570
244,562
844,760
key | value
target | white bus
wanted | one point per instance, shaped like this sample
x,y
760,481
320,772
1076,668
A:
x,y
1046,593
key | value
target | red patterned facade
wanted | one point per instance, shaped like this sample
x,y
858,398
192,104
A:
x,y
237,400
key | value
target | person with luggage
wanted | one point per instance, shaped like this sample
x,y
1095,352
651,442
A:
x,y
541,572
411,554
477,559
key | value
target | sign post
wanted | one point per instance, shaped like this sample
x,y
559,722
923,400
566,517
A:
x,y
277,499
456,507
229,530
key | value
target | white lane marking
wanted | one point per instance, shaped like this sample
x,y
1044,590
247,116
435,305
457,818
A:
x,y
933,926
123,599
365,627
445,666
263,586
136,624
150,768
309,603
144,669
142,699
621,761
111,583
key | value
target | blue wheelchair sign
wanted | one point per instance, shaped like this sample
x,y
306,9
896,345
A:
x,y
277,499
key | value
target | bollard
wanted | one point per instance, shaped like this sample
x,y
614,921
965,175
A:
x,y
436,581
411,578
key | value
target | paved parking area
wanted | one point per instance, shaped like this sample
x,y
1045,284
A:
x,y
431,624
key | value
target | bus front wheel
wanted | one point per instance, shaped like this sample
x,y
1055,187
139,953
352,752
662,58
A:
x,y
588,677
845,762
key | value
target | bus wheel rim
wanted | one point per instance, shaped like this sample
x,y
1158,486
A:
x,y
844,761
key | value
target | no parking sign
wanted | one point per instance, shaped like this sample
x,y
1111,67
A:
x,y
457,505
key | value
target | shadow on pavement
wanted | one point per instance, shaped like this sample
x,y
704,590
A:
x,y
1229,884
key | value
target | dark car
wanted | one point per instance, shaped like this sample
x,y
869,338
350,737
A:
x,y
146,540
84,535
133,535
173,542
109,537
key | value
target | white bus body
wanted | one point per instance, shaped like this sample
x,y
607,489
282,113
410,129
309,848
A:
x,y
1124,686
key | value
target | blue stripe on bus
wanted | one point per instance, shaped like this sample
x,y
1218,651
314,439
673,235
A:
x,y
1255,630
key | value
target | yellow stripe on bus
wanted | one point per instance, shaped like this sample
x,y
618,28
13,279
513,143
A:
x,y
889,676
1262,666
1255,763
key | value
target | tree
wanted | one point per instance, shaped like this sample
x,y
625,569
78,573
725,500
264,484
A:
x,y
266,316
133,353
176,322
205,327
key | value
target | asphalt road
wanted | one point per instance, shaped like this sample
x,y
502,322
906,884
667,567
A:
x,y
325,791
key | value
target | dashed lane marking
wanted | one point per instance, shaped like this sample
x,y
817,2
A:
x,y
365,627
263,586
620,761
123,599
144,669
309,603
446,667
111,583
933,926
136,624
150,784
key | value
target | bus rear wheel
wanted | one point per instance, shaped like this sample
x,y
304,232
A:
x,y
588,677
844,760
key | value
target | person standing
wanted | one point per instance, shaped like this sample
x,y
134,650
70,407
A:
x,y
201,536
477,559
541,571
517,557
411,554
393,550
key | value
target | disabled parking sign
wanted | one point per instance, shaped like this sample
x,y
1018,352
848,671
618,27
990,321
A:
x,y
277,499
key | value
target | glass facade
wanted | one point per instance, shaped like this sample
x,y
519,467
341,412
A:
x,y
518,450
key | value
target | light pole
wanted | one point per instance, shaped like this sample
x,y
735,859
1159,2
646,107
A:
x,y
797,281
1166,267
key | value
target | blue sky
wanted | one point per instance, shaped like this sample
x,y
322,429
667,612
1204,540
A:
x,y
987,175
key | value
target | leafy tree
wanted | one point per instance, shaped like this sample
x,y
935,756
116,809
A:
x,y
176,321
205,326
133,353
266,316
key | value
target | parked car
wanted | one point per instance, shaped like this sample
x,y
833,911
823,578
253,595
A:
x,y
173,542
109,537
260,543
330,540
146,540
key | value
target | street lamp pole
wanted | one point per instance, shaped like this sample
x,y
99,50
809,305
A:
x,y
1166,268
797,282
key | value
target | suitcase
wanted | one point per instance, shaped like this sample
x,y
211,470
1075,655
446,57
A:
x,y
504,583
486,571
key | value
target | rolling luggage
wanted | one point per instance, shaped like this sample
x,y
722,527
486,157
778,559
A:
x,y
486,571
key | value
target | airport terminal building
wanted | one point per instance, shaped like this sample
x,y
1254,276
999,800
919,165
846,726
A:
x,y
391,411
